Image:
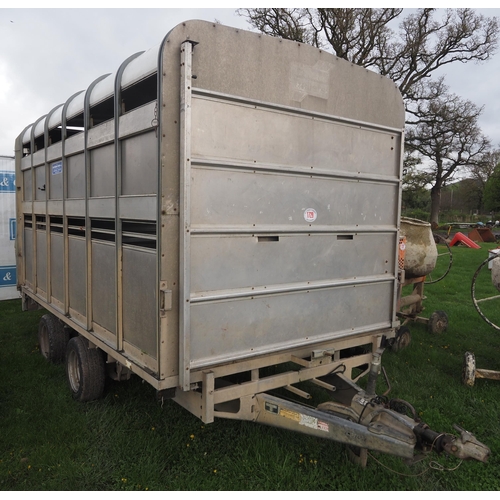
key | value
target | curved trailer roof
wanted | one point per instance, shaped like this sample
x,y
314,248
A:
x,y
132,70
144,64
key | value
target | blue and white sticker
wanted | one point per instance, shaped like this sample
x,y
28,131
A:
x,y
310,215
7,182
8,276
57,167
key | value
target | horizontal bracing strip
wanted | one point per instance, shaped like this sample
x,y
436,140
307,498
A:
x,y
223,164
287,288
288,230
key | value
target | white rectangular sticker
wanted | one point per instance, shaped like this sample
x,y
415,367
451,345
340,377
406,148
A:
x,y
57,168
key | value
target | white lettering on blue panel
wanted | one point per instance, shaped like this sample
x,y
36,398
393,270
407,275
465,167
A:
x,y
7,182
57,168
8,276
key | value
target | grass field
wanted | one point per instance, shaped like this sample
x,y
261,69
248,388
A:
x,y
129,441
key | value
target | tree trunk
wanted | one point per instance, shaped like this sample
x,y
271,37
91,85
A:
x,y
435,205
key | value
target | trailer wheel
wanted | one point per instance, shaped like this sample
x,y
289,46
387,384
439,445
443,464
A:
x,y
85,370
402,339
52,338
438,322
469,369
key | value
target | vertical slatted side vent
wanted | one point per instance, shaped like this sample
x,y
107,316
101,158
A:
x,y
76,226
28,220
56,224
41,222
103,229
139,234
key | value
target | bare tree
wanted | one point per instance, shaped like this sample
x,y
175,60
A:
x,y
447,135
289,24
367,37
426,44
481,171
491,193
484,169
415,182
360,36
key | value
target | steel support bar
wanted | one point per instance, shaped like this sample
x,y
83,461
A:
x,y
410,300
277,412
489,374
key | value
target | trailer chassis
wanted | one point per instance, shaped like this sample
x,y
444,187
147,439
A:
x,y
359,418
242,390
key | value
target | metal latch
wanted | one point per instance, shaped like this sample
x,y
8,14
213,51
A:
x,y
165,300
321,353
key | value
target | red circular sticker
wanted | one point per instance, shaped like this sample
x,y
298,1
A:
x,y
310,214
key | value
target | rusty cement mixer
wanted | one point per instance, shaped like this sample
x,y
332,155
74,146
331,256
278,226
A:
x,y
482,297
418,255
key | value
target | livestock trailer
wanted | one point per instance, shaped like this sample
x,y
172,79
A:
x,y
220,216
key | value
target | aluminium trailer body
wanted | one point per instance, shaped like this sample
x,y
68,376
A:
x,y
223,203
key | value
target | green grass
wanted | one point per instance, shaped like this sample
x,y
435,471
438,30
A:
x,y
129,441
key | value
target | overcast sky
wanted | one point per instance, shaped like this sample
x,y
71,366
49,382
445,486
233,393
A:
x,y
47,54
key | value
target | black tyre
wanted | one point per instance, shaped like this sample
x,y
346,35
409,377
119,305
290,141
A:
x,y
438,322
85,370
52,338
469,369
402,339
